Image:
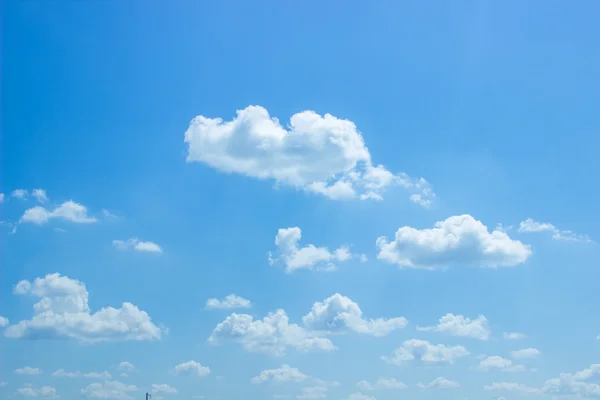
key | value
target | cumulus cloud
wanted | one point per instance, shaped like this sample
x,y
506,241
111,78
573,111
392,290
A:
x,y
63,313
69,211
514,336
40,195
3,321
360,396
19,194
440,383
44,391
307,257
382,383
61,373
499,363
138,245
272,335
28,371
163,388
313,392
458,240
125,366
526,353
285,373
338,314
317,154
421,351
109,390
192,368
229,302
529,225
458,325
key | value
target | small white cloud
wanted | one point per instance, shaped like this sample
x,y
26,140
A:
x,y
61,373
44,391
512,387
285,373
458,240
27,371
360,396
514,336
3,321
339,313
109,390
40,195
69,211
163,388
124,375
229,302
526,353
421,351
19,194
1,198
125,366
458,325
192,368
136,244
440,383
313,392
382,383
499,363
529,225
2,383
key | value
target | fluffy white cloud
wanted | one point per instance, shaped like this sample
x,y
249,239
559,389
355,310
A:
x,y
61,373
138,245
514,336
285,373
125,366
109,390
360,396
3,321
421,351
382,383
27,371
69,210
338,313
40,195
317,154
272,335
230,301
307,257
63,313
19,193
192,368
458,325
499,363
163,388
526,353
44,391
529,225
440,383
458,240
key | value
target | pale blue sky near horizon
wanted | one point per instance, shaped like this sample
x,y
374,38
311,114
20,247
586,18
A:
x,y
493,103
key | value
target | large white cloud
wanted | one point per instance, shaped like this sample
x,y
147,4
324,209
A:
x,y
63,313
421,351
458,325
382,383
192,368
285,373
317,154
458,240
69,210
339,313
229,302
137,245
61,373
307,257
109,390
529,225
273,335
44,391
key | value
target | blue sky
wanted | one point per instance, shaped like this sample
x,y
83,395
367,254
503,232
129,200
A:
x,y
429,186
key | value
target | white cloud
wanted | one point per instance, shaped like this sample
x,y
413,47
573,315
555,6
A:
x,y
317,154
44,391
40,195
19,193
499,363
526,353
440,383
1,198
125,366
382,383
230,301
69,210
192,368
2,383
285,373
163,388
529,225
27,371
458,240
3,321
109,390
63,313
458,325
512,387
272,335
306,257
339,313
313,392
136,244
61,373
514,336
360,396
421,351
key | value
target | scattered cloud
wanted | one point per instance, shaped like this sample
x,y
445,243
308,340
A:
x,y
317,154
339,313
313,392
40,195
360,396
138,245
162,388
229,302
192,368
382,383
109,390
2,383
458,240
529,225
3,321
421,351
285,373
512,387
440,383
61,373
63,313
526,353
1,198
125,366
514,336
27,371
458,325
69,211
44,391
307,257
272,335
19,194
499,363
